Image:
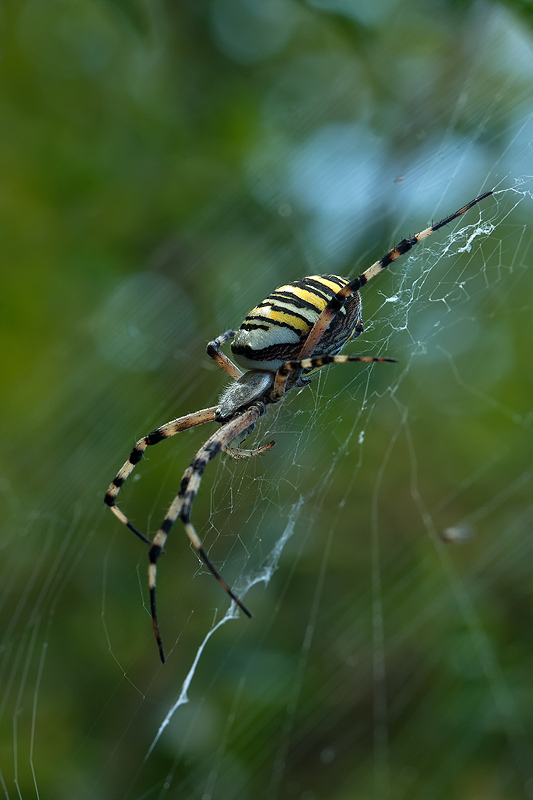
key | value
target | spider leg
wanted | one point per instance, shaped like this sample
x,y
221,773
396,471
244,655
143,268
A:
x,y
214,352
182,505
289,367
239,453
337,302
164,432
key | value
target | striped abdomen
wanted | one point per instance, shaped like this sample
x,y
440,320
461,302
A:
x,y
275,330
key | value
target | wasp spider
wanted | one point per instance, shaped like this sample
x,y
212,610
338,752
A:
x,y
300,327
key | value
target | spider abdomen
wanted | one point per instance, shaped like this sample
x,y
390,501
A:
x,y
274,331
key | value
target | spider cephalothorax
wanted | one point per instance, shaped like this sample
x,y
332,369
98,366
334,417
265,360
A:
x,y
300,327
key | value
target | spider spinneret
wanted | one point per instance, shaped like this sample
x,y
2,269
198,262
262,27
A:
x,y
300,327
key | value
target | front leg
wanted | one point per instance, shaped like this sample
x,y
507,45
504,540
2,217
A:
x,y
164,432
214,352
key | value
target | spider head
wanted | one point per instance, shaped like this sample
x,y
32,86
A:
x,y
251,386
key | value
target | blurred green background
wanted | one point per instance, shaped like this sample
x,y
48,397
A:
x,y
164,166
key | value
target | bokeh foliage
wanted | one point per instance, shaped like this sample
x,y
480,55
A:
x,y
164,166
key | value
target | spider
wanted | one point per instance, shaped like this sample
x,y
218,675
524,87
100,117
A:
x,y
300,327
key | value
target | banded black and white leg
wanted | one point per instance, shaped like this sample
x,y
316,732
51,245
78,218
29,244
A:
x,y
158,435
182,505
337,302
290,367
173,427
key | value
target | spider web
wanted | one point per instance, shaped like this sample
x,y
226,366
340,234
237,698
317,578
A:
x,y
384,544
